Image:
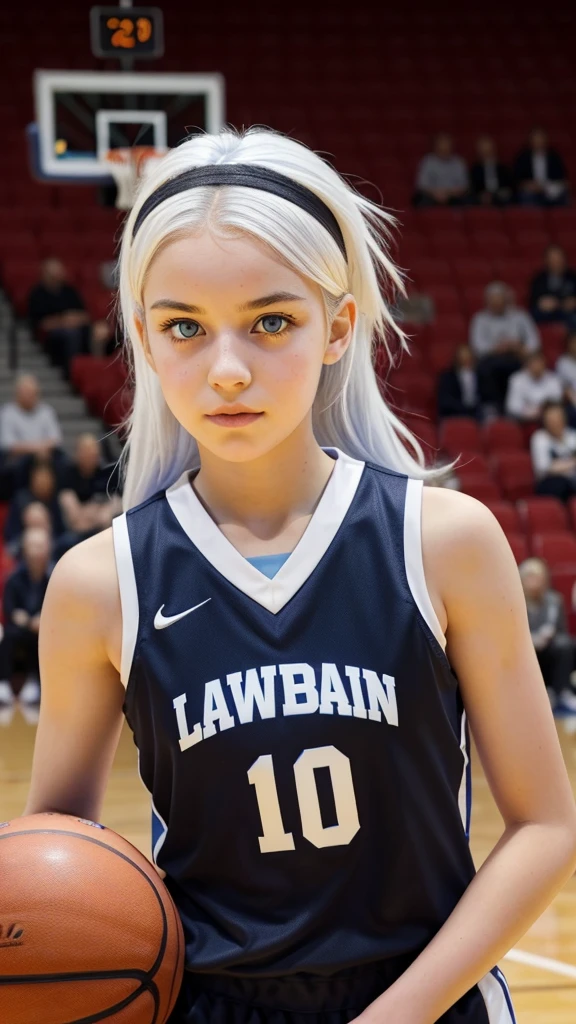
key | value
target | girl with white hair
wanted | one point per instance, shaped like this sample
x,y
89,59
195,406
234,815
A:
x,y
296,629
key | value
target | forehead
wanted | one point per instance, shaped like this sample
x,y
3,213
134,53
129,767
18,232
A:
x,y
214,268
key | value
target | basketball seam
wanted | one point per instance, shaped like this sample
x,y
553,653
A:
x,y
150,985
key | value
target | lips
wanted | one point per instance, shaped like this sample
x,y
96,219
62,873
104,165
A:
x,y
234,419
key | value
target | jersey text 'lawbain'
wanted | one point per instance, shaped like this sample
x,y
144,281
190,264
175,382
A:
x,y
360,693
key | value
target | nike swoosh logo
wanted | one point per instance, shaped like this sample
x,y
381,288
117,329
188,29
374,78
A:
x,y
161,621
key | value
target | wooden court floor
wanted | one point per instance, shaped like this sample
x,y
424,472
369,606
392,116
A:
x,y
541,971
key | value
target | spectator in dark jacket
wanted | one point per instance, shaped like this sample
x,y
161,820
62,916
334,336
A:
x,y
553,289
56,309
458,386
89,498
491,181
552,642
42,487
24,592
540,173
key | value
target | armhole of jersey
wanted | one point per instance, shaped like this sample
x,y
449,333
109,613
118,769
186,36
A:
x,y
128,594
413,558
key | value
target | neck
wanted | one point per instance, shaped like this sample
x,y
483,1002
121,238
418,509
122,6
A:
x,y
267,493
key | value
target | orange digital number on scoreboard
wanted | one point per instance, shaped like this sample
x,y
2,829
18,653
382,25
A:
x,y
134,32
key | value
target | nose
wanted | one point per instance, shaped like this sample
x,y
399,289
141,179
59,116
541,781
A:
x,y
229,371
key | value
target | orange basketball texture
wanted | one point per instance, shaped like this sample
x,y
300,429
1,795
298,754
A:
x,y
88,930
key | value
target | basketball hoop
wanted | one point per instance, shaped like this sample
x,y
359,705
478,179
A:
x,y
128,165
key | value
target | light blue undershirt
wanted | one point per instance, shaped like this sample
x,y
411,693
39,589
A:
x,y
269,564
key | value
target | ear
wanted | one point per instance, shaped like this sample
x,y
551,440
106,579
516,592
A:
x,y
341,330
143,335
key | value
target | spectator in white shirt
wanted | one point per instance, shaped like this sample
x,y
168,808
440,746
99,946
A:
x,y
553,451
501,335
29,428
529,389
442,178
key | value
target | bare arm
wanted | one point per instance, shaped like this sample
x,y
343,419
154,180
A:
x,y
82,697
475,587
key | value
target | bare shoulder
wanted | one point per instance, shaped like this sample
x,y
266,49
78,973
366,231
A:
x,y
455,521
84,588
465,551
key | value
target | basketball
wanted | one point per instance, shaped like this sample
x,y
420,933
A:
x,y
88,930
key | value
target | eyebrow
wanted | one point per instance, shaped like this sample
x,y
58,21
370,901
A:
x,y
265,300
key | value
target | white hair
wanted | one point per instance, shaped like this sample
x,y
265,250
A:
x,y
348,411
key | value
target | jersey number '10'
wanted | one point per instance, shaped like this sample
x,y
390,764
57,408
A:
x,y
261,776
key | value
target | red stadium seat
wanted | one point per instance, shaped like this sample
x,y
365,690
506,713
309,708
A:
x,y
543,515
426,272
481,487
564,580
451,327
460,434
553,340
507,515
473,298
515,474
557,549
524,218
446,298
411,390
473,271
441,355
519,545
502,435
448,243
531,243
472,463
490,244
572,512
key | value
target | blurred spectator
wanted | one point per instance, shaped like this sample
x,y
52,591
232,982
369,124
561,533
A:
x,y
86,476
553,451
552,642
530,388
43,488
458,386
500,335
28,425
87,498
491,180
29,428
566,370
56,309
553,289
540,173
442,178
24,592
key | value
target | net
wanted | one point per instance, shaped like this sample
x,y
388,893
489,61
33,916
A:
x,y
128,166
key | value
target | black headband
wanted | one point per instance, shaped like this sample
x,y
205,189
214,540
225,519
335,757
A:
x,y
250,176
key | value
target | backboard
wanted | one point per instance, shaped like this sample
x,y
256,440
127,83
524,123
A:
x,y
82,115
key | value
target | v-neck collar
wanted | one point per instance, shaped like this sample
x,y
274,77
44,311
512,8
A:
x,y
322,528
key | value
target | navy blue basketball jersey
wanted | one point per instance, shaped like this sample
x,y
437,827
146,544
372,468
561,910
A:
x,y
303,737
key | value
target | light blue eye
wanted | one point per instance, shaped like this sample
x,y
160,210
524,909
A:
x,y
186,328
277,323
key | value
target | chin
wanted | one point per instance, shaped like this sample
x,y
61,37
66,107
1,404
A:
x,y
238,449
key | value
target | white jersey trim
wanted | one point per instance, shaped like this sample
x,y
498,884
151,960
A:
x,y
463,792
273,594
413,558
128,594
495,993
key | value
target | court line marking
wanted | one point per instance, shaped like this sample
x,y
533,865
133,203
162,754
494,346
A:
x,y
545,963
